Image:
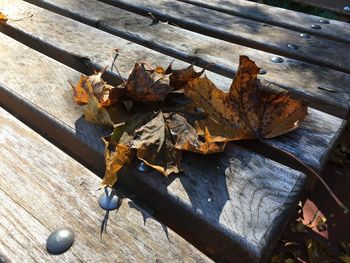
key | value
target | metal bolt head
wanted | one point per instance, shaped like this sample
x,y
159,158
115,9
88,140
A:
x,y
59,241
304,35
346,9
144,168
315,26
323,21
293,46
262,71
276,59
109,200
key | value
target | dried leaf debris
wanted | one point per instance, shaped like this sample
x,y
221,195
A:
x,y
3,18
158,113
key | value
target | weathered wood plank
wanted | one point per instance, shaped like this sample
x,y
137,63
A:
x,y
244,31
199,205
42,189
302,79
98,51
281,17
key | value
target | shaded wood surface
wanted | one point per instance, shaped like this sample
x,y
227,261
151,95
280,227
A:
x,y
334,5
302,22
42,189
241,200
302,79
244,31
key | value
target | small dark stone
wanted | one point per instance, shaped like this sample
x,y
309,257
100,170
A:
x,y
315,26
276,59
304,35
59,241
109,200
292,46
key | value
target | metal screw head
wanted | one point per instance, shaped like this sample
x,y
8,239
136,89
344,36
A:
x,y
304,35
315,26
59,241
142,167
293,46
346,9
262,71
109,200
276,59
323,21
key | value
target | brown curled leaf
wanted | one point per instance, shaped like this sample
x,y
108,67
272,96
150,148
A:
x,y
247,111
148,85
180,77
154,146
187,139
95,113
115,160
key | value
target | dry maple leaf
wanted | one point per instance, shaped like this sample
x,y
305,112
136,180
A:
x,y
180,77
148,85
95,113
115,160
247,111
105,94
186,137
117,147
154,146
3,18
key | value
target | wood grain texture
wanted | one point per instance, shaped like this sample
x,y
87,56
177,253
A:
x,y
42,189
99,54
281,17
254,202
244,31
181,201
302,79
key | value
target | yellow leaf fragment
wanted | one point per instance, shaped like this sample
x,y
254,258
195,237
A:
x,y
3,18
115,161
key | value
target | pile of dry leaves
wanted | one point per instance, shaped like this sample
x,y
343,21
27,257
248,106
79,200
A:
x,y
158,113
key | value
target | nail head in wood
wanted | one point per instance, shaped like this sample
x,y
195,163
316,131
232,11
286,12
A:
x,y
59,241
315,26
293,46
323,21
109,200
276,59
262,71
304,35
144,168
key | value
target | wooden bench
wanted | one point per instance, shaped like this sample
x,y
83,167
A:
x,y
230,207
42,189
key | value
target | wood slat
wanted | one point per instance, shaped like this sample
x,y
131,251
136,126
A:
x,y
302,79
281,17
42,189
43,26
244,31
233,206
